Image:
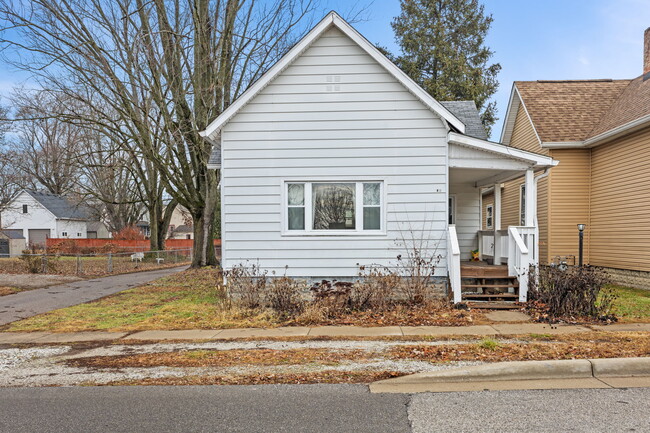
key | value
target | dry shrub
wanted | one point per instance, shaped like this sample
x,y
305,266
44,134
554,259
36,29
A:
x,y
246,285
376,289
129,233
284,295
33,258
571,293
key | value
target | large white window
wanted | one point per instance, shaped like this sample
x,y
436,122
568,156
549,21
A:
x,y
334,207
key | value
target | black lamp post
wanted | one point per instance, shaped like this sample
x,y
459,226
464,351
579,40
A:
x,y
581,233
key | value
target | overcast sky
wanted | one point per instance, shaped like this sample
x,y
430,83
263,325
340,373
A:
x,y
532,39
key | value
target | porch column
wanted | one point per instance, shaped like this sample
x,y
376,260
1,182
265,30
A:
x,y
531,198
497,223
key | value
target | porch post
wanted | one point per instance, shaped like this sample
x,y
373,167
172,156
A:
x,y
497,223
531,198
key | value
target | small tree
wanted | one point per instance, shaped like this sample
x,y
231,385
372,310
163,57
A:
x,y
129,234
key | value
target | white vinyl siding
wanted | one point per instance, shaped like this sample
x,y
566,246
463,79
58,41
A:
x,y
297,129
467,217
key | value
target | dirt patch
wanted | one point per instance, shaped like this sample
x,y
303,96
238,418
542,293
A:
x,y
327,376
4,291
223,358
34,281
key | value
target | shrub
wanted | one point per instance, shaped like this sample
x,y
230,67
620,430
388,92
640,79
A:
x,y
284,295
376,289
33,261
246,285
129,233
331,297
571,293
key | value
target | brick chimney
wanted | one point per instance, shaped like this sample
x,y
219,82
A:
x,y
646,51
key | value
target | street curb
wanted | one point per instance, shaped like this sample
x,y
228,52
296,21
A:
x,y
534,371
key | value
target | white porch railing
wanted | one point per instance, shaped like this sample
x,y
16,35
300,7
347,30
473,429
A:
x,y
486,244
453,263
521,251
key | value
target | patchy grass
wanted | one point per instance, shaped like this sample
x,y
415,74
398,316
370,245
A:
x,y
4,290
565,347
327,376
194,299
225,358
631,305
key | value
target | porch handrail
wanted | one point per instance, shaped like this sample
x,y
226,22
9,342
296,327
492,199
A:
x,y
453,263
518,261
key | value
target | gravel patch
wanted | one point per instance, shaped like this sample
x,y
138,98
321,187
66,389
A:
x,y
12,358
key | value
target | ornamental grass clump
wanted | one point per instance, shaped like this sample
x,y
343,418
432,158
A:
x,y
576,292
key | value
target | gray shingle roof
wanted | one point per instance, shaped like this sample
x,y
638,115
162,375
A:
x,y
12,234
467,113
59,206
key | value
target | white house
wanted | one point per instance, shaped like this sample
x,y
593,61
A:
x,y
42,215
335,158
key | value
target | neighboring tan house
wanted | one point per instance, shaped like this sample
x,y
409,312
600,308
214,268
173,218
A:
x,y
599,130
335,158
180,224
42,215
97,230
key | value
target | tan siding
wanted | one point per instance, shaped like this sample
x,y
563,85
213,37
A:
x,y
488,199
523,134
620,203
570,201
542,218
510,203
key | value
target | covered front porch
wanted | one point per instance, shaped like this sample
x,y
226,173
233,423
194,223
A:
x,y
505,253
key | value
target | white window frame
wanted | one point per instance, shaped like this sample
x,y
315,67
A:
x,y
358,210
452,197
522,205
64,234
489,216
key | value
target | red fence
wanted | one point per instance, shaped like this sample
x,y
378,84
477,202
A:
x,y
132,245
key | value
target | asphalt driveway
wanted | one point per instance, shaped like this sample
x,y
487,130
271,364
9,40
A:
x,y
27,304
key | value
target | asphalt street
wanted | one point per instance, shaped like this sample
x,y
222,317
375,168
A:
x,y
318,408
30,303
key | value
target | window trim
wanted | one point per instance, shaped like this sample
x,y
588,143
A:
x,y
358,231
64,234
451,197
489,217
25,209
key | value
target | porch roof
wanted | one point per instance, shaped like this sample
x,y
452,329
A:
x,y
485,163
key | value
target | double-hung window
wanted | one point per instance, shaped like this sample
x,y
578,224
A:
x,y
489,216
330,207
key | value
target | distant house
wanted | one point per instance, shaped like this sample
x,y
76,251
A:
x,y
599,130
12,243
335,158
97,230
42,215
180,224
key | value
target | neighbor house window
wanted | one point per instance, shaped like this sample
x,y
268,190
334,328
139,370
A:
x,y
64,234
78,235
522,205
334,206
489,217
25,208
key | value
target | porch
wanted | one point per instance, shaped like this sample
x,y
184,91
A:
x,y
505,253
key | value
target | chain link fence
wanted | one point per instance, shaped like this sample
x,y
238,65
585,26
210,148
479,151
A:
x,y
96,264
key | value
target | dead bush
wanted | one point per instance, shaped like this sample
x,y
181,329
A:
x,y
285,295
376,289
331,297
246,285
575,292
36,262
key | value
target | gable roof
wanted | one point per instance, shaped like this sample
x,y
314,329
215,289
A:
x,y
467,112
331,19
59,205
579,113
12,234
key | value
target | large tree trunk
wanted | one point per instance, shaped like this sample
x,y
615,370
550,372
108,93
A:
x,y
203,218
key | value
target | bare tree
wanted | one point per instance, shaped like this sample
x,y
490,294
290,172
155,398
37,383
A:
x,y
44,148
165,68
11,180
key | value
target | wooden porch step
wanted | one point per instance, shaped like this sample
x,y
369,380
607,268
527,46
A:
x,y
484,271
490,295
489,286
493,305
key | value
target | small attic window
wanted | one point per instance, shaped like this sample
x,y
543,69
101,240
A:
x,y
25,209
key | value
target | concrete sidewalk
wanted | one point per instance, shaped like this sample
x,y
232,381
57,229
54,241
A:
x,y
494,330
27,304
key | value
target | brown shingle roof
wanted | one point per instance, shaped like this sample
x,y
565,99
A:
x,y
633,103
568,110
